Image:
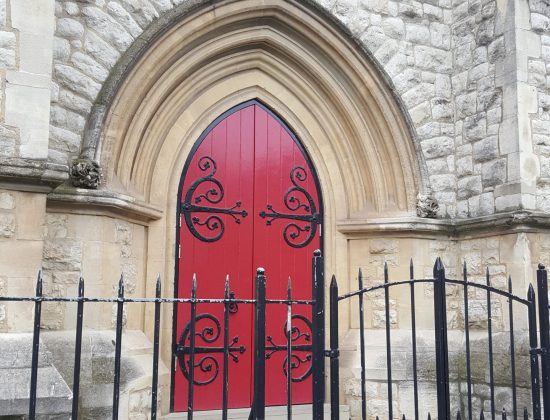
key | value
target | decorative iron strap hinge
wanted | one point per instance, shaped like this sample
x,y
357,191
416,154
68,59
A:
x,y
213,195
292,233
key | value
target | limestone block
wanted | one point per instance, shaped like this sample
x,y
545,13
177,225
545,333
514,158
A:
x,y
486,149
62,117
63,255
124,18
466,104
469,186
475,127
69,28
77,81
418,34
437,147
7,201
494,172
110,29
64,140
100,50
8,141
7,225
33,16
383,246
27,107
72,8
61,49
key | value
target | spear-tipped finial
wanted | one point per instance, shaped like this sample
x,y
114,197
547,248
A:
x,y
121,286
429,416
39,283
194,285
157,288
80,286
510,284
482,416
458,416
525,414
333,282
531,293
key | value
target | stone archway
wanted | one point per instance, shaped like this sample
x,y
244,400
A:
x,y
290,57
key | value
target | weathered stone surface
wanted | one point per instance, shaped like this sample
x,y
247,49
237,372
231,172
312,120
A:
x,y
469,186
494,172
7,201
69,28
61,49
89,66
105,25
78,81
8,139
486,149
100,50
63,255
437,147
7,225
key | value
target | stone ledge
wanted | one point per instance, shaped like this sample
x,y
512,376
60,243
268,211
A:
x,y
518,221
31,175
101,202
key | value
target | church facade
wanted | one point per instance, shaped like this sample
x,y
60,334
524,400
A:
x,y
426,124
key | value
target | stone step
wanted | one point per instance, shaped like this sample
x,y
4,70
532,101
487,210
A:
x,y
299,412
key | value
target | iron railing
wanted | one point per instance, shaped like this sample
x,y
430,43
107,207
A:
x,y
537,354
538,338
191,350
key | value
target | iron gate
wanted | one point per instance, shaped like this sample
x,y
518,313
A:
x,y
192,356
538,354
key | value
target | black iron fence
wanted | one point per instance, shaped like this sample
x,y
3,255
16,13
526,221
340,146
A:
x,y
539,355
186,352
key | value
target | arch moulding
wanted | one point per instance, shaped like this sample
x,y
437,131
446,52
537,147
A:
x,y
289,56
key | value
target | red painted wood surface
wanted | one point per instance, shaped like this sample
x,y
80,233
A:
x,y
254,155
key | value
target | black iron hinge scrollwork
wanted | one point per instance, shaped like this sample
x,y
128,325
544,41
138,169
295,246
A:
x,y
301,348
295,233
192,204
207,331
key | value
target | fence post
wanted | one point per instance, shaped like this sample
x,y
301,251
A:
x,y
35,347
441,345
542,286
334,353
318,344
533,352
259,347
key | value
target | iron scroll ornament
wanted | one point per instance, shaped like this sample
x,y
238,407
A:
x,y
294,201
301,343
212,196
208,333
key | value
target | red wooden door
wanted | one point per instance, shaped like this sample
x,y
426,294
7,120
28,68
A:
x,y
248,198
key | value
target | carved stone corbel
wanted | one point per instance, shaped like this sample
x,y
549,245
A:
x,y
85,173
426,206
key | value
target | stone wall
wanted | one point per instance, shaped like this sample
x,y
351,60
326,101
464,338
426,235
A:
x,y
26,35
539,78
21,222
443,58
101,248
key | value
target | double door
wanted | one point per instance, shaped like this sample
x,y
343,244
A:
x,y
249,198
